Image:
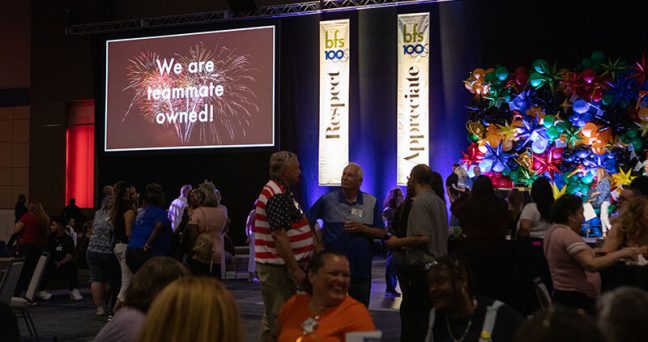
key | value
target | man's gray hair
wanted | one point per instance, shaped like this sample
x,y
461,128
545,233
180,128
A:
x,y
360,170
278,162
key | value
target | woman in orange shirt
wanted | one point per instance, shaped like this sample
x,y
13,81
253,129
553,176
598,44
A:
x,y
326,312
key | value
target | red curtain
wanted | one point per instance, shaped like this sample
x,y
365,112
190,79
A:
x,y
79,154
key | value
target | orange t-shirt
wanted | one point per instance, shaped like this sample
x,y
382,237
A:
x,y
334,323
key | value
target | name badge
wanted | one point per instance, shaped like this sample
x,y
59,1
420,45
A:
x,y
357,212
59,248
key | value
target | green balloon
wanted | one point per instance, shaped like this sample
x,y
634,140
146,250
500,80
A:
x,y
632,133
561,126
490,77
637,144
536,80
597,57
506,172
501,73
540,65
587,63
471,137
608,99
548,121
552,132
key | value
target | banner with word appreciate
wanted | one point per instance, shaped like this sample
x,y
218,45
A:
x,y
334,100
413,92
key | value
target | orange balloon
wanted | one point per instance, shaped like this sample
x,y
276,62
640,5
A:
x,y
493,139
643,113
589,129
507,145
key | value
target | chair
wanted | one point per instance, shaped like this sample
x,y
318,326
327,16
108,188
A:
x,y
542,293
22,305
11,280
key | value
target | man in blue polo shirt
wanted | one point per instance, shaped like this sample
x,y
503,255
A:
x,y
351,219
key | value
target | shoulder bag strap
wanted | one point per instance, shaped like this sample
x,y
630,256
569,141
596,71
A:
x,y
489,322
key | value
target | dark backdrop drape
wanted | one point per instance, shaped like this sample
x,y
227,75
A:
x,y
464,35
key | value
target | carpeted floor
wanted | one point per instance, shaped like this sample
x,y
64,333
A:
x,y
62,319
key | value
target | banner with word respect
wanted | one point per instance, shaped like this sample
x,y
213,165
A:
x,y
334,100
413,92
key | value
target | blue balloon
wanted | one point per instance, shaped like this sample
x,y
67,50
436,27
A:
x,y
580,106
539,144
583,151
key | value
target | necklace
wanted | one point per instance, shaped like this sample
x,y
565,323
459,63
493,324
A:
x,y
308,328
465,333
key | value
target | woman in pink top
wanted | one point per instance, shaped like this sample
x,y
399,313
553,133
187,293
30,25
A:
x,y
210,219
574,266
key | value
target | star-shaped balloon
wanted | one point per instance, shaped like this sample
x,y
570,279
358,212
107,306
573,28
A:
x,y
474,155
498,159
525,177
612,68
525,133
620,92
640,70
643,128
622,178
557,193
572,136
508,131
546,163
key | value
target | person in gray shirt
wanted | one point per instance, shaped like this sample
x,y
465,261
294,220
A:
x,y
425,241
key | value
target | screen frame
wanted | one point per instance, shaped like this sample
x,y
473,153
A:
x,y
102,71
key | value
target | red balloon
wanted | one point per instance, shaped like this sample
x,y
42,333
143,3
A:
x,y
588,75
521,75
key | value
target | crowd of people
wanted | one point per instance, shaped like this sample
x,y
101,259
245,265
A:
x,y
158,270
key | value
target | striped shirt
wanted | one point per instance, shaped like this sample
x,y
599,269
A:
x,y
277,209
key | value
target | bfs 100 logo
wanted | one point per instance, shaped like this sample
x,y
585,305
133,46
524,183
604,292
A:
x,y
334,48
413,41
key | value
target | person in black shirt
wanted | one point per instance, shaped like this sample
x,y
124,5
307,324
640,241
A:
x,y
457,315
61,261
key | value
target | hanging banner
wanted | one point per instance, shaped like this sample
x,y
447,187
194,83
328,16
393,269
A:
x,y
413,89
334,100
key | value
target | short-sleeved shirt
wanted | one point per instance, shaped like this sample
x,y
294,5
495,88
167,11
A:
x,y
176,209
539,226
145,222
334,210
125,326
213,220
453,179
428,217
333,324
59,246
561,244
33,232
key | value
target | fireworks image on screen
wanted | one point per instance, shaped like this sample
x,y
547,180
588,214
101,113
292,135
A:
x,y
207,100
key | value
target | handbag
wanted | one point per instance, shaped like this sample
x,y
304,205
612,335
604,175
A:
x,y
202,248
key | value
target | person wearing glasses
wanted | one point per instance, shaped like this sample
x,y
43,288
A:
x,y
352,218
325,312
284,241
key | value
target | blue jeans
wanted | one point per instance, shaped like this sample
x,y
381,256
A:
x,y
360,290
391,267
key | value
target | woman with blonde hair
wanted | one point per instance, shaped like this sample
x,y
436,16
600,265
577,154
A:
x,y
601,198
630,229
31,230
197,309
